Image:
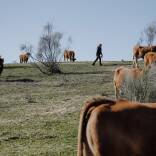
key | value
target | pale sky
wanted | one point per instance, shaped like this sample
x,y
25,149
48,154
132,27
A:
x,y
117,24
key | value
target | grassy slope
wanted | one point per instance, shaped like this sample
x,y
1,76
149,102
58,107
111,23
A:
x,y
39,114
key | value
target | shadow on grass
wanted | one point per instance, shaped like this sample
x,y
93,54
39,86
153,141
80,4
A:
x,y
19,80
83,73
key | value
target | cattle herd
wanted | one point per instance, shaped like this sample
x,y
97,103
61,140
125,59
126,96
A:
x,y
116,127
140,52
149,56
120,127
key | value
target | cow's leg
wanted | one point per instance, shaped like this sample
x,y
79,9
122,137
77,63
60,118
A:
x,y
136,62
116,91
133,61
21,59
146,66
70,58
150,63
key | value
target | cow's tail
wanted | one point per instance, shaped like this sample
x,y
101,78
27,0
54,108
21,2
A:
x,y
133,57
84,116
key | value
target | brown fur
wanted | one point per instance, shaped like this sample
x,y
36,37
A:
x,y
1,64
140,51
24,57
120,75
117,128
149,58
69,54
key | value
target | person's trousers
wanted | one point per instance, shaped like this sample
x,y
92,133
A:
x,y
98,57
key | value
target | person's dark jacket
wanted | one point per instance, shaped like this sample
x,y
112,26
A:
x,y
99,51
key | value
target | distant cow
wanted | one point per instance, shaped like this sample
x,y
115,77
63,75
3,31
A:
x,y
140,51
117,128
24,57
123,73
69,55
149,59
1,64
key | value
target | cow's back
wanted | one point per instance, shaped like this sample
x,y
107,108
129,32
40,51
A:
x,y
122,129
122,73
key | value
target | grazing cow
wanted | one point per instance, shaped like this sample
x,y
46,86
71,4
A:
x,y
24,57
149,59
69,54
117,128
140,51
1,64
123,73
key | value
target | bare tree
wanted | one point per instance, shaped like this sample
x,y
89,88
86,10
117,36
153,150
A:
x,y
70,41
28,48
141,39
49,50
150,33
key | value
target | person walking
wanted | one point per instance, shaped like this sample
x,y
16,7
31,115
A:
x,y
99,54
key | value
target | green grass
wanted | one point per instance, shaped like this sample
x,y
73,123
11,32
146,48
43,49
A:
x,y
39,114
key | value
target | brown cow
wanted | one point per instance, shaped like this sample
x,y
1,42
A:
x,y
123,73
24,57
117,128
149,59
69,54
1,64
140,51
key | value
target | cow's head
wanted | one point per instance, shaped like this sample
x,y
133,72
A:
x,y
74,59
28,53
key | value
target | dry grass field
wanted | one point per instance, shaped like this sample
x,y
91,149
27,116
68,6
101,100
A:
x,y
39,114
